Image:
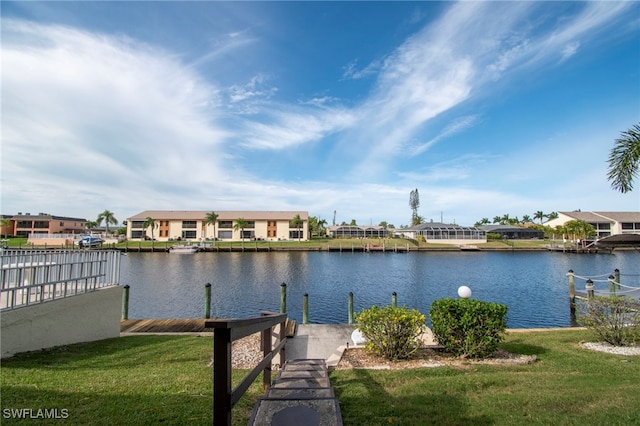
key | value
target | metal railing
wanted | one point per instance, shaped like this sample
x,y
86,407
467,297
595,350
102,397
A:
x,y
29,277
225,331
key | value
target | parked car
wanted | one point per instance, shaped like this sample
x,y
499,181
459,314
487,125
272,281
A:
x,y
90,241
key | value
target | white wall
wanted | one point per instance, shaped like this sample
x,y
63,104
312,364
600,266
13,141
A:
x,y
82,318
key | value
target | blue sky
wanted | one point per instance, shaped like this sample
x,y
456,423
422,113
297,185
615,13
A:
x,y
487,108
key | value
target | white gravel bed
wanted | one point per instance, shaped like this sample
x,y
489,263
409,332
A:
x,y
606,347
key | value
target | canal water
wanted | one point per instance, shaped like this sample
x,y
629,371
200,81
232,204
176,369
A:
x,y
533,285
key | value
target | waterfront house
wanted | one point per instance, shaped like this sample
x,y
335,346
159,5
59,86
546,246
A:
x,y
442,233
605,223
355,231
513,232
178,225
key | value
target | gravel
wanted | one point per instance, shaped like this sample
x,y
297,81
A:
x,y
609,348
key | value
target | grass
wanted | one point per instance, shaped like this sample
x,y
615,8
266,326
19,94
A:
x,y
317,243
165,379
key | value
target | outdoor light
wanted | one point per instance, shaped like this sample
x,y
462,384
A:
x,y
464,292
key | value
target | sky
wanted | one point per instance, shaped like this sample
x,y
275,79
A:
x,y
337,108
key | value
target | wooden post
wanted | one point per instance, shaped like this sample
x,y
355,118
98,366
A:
x,y
616,273
350,307
590,290
222,377
394,299
572,297
125,303
283,298
266,349
612,286
305,308
207,300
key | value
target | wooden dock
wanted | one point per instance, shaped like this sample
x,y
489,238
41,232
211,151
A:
x,y
189,325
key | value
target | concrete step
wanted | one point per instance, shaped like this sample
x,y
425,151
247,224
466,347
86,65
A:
x,y
301,395
297,412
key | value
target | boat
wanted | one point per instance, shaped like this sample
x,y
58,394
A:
x,y
184,249
469,247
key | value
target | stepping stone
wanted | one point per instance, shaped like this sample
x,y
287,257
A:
x,y
302,412
322,382
305,393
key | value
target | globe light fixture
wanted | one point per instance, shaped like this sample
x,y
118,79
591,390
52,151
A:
x,y
464,292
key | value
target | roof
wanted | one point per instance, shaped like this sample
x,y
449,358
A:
x,y
506,228
222,215
364,227
604,216
436,225
619,240
45,216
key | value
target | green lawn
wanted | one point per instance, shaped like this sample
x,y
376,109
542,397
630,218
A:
x,y
165,379
315,244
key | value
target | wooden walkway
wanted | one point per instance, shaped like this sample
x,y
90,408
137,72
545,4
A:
x,y
196,325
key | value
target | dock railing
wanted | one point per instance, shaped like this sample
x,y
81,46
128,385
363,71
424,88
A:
x,y
29,277
225,331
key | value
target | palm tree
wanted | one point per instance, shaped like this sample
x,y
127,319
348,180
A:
x,y
296,222
108,218
497,219
240,225
539,215
150,222
91,225
526,219
210,219
624,160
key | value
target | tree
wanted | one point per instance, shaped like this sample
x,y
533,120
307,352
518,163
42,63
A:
x,y
91,225
210,219
552,215
5,224
353,223
526,219
296,222
539,215
414,203
240,225
150,223
624,160
108,219
497,219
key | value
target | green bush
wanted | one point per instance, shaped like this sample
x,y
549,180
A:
x,y
616,320
391,332
468,328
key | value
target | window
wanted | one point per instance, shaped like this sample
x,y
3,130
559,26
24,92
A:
x,y
225,235
248,234
24,224
295,234
251,224
136,224
137,234
189,224
41,224
225,224
188,234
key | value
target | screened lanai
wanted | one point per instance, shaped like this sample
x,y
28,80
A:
x,y
446,233
354,231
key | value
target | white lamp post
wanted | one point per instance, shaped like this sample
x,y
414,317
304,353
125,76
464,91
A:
x,y
464,292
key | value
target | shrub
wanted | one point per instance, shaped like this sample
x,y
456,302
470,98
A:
x,y
616,320
468,328
391,332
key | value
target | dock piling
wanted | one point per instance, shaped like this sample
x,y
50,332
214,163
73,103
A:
x,y
350,307
125,303
394,299
305,308
590,289
283,298
207,301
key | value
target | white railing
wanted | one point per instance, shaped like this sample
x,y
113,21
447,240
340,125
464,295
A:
x,y
28,277
34,236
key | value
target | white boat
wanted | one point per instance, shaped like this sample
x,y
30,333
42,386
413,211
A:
x,y
184,249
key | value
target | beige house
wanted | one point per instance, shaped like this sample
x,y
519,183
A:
x,y
176,225
605,223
